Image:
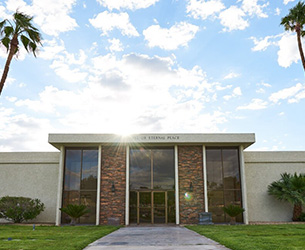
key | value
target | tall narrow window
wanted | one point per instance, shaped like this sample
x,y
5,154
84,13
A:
x,y
80,182
223,181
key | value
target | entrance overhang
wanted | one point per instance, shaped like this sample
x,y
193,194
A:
x,y
209,139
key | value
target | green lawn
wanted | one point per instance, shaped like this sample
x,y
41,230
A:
x,y
50,237
262,237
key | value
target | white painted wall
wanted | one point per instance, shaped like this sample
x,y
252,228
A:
x,y
262,168
34,175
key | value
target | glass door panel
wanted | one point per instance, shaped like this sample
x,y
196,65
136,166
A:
x,y
133,207
159,207
171,214
145,207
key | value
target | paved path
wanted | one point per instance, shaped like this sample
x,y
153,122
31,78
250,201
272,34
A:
x,y
161,238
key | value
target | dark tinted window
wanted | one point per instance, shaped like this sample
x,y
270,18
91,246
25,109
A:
x,y
223,178
80,182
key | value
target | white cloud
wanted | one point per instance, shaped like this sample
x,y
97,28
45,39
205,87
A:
x,y
106,22
170,39
236,92
52,19
253,8
3,14
255,104
69,66
23,132
262,43
127,4
115,45
288,1
293,94
231,75
13,5
262,85
277,11
55,18
51,48
201,9
233,19
288,50
162,96
67,73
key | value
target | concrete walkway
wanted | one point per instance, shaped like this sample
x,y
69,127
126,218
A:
x,y
147,238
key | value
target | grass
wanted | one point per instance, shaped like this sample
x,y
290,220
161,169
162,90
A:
x,y
50,237
251,237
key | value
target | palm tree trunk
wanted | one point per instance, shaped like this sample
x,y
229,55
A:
x,y
298,30
297,211
13,48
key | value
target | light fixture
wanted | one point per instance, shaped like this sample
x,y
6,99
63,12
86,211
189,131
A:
x,y
112,187
191,186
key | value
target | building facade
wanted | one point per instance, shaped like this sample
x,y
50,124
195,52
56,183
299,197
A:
x,y
151,178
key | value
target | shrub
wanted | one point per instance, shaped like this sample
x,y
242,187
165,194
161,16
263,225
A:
x,y
291,188
75,211
233,211
19,209
302,217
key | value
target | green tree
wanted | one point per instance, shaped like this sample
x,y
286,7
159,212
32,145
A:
x,y
294,21
290,188
12,32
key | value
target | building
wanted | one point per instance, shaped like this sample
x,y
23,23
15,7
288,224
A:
x,y
150,178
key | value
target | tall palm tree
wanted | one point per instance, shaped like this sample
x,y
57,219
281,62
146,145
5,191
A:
x,y
290,188
20,29
294,21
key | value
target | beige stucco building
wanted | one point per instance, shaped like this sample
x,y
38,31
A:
x,y
150,178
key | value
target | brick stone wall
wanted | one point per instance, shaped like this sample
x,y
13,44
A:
x,y
190,163
112,208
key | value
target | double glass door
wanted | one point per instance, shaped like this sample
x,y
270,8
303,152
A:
x,y
153,207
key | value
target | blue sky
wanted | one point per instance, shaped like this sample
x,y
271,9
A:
x,y
155,66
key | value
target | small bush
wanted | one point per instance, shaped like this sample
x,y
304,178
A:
x,y
75,211
302,217
233,211
19,209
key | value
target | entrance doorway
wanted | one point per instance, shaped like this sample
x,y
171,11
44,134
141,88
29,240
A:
x,y
154,207
151,185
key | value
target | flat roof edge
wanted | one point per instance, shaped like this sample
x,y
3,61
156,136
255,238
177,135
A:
x,y
245,139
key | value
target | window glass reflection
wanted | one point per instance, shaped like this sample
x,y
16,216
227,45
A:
x,y
72,170
140,172
223,181
163,169
89,169
152,169
214,169
231,169
80,182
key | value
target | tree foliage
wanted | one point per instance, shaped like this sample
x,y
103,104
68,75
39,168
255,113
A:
x,y
291,188
19,209
75,211
233,211
20,29
294,22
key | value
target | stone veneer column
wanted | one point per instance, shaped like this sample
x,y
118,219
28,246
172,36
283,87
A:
x,y
190,162
113,170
